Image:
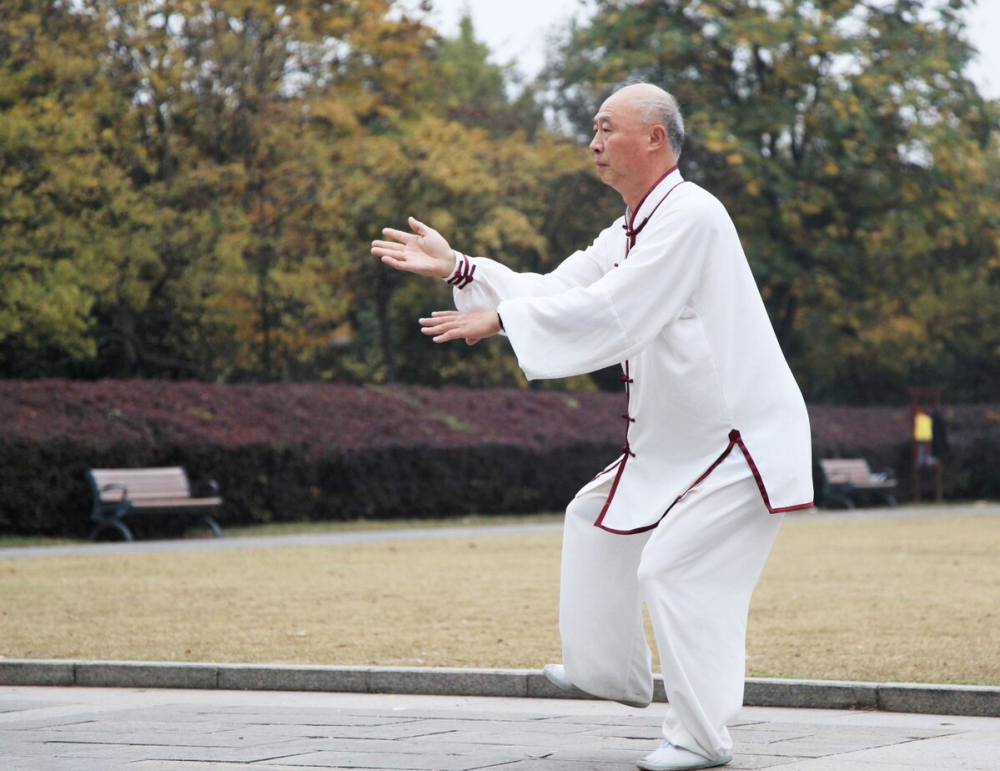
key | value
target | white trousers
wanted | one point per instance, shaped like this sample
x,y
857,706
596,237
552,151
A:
x,y
695,573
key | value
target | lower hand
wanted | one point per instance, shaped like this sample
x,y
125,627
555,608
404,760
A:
x,y
471,326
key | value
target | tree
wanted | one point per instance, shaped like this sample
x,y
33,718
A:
x,y
173,175
478,93
470,159
840,134
63,206
240,104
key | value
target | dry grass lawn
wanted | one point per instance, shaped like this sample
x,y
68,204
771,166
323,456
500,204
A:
x,y
901,599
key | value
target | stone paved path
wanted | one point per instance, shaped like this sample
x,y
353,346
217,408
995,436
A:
x,y
97,729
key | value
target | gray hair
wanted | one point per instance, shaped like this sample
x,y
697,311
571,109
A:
x,y
659,108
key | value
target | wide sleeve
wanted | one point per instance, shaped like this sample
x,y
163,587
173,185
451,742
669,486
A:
x,y
587,328
482,284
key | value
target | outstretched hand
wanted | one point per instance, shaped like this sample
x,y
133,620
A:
x,y
424,251
471,326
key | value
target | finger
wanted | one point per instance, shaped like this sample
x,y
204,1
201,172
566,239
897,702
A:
x,y
417,226
447,337
393,245
398,235
394,262
444,314
442,327
441,336
472,340
437,323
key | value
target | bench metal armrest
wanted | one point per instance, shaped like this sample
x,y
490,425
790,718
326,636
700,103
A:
x,y
207,488
116,486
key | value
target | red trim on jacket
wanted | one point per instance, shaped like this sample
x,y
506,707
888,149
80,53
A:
x,y
734,435
632,232
631,219
735,440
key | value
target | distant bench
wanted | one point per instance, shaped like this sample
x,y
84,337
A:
x,y
847,478
119,493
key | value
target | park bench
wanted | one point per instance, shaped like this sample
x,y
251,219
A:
x,y
848,479
119,493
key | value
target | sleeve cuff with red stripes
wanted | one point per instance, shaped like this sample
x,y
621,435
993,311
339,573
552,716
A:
x,y
461,277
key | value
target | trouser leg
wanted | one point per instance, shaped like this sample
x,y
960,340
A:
x,y
600,609
696,574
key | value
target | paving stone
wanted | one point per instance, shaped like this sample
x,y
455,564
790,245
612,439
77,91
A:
x,y
135,752
198,730
36,763
411,729
743,762
403,761
556,764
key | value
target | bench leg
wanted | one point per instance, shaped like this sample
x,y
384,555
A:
x,y
212,525
116,525
199,522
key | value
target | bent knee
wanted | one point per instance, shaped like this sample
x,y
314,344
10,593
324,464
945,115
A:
x,y
585,508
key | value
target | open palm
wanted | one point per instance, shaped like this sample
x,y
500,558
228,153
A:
x,y
424,251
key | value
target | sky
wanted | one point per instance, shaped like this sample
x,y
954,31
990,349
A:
x,y
516,31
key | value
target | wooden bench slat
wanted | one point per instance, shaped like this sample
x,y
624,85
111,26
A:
x,y
166,481
152,502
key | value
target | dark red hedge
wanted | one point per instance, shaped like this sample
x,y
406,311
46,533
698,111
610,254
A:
x,y
319,416
285,452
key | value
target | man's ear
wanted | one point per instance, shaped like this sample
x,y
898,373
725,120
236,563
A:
x,y
657,137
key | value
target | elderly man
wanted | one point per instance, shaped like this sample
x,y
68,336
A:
x,y
717,441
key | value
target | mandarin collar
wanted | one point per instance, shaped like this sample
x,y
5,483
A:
x,y
652,199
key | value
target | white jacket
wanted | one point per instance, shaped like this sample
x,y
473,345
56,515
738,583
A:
x,y
680,310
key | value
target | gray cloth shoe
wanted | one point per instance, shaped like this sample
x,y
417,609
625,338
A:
x,y
556,674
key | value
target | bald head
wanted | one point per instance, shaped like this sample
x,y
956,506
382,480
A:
x,y
654,107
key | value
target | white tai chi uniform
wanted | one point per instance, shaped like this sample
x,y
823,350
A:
x,y
717,436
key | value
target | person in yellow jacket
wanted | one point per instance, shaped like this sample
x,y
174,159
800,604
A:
x,y
923,435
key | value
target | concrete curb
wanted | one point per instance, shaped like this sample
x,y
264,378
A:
x,y
965,700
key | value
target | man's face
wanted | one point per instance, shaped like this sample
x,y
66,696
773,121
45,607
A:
x,y
619,143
